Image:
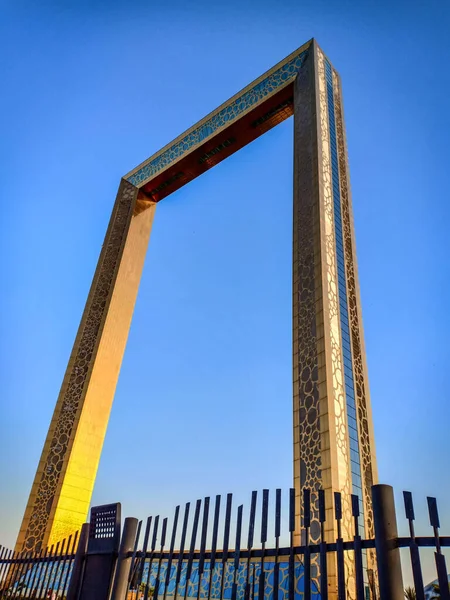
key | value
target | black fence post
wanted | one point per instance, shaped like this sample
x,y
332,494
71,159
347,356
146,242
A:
x,y
102,551
388,555
78,564
121,578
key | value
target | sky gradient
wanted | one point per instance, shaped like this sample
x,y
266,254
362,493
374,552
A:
x,y
203,404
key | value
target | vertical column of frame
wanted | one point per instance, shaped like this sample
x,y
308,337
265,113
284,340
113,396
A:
x,y
340,475
321,443
62,488
369,474
310,411
307,321
333,394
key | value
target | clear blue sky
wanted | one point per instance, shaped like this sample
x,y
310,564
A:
x,y
203,405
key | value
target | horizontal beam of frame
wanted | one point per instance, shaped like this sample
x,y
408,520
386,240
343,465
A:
x,y
263,92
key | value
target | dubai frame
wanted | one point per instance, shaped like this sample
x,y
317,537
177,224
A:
x,y
332,422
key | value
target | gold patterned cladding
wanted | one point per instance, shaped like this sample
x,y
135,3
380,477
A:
x,y
306,290
61,492
335,384
331,293
365,432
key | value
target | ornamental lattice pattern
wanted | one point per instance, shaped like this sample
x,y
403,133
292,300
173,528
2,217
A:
x,y
305,226
363,419
343,456
77,377
341,430
358,365
236,109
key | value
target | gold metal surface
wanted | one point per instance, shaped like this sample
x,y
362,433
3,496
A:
x,y
62,489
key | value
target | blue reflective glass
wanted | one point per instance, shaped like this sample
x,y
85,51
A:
x,y
353,435
353,443
355,467
347,354
352,412
356,480
352,422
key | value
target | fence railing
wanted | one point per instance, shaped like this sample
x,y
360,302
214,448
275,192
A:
x,y
211,552
37,574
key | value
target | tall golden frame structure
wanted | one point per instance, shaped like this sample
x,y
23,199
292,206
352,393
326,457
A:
x,y
332,423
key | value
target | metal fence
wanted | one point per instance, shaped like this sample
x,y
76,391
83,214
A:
x,y
278,570
211,552
37,574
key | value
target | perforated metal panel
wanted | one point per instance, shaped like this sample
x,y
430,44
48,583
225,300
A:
x,y
104,531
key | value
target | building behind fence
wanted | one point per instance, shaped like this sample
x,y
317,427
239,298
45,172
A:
x,y
207,551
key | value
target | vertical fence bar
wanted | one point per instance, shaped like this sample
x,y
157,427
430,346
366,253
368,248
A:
x,y
20,568
40,573
58,575
171,551
7,566
323,548
339,546
44,571
212,562
251,531
4,565
124,562
132,577
71,565
51,567
34,569
15,570
441,567
29,573
390,577
201,561
76,578
264,517
181,553
307,555
237,552
140,574
226,541
357,548
55,566
25,572
158,572
276,567
192,548
2,555
9,571
414,548
62,563
153,546
291,569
